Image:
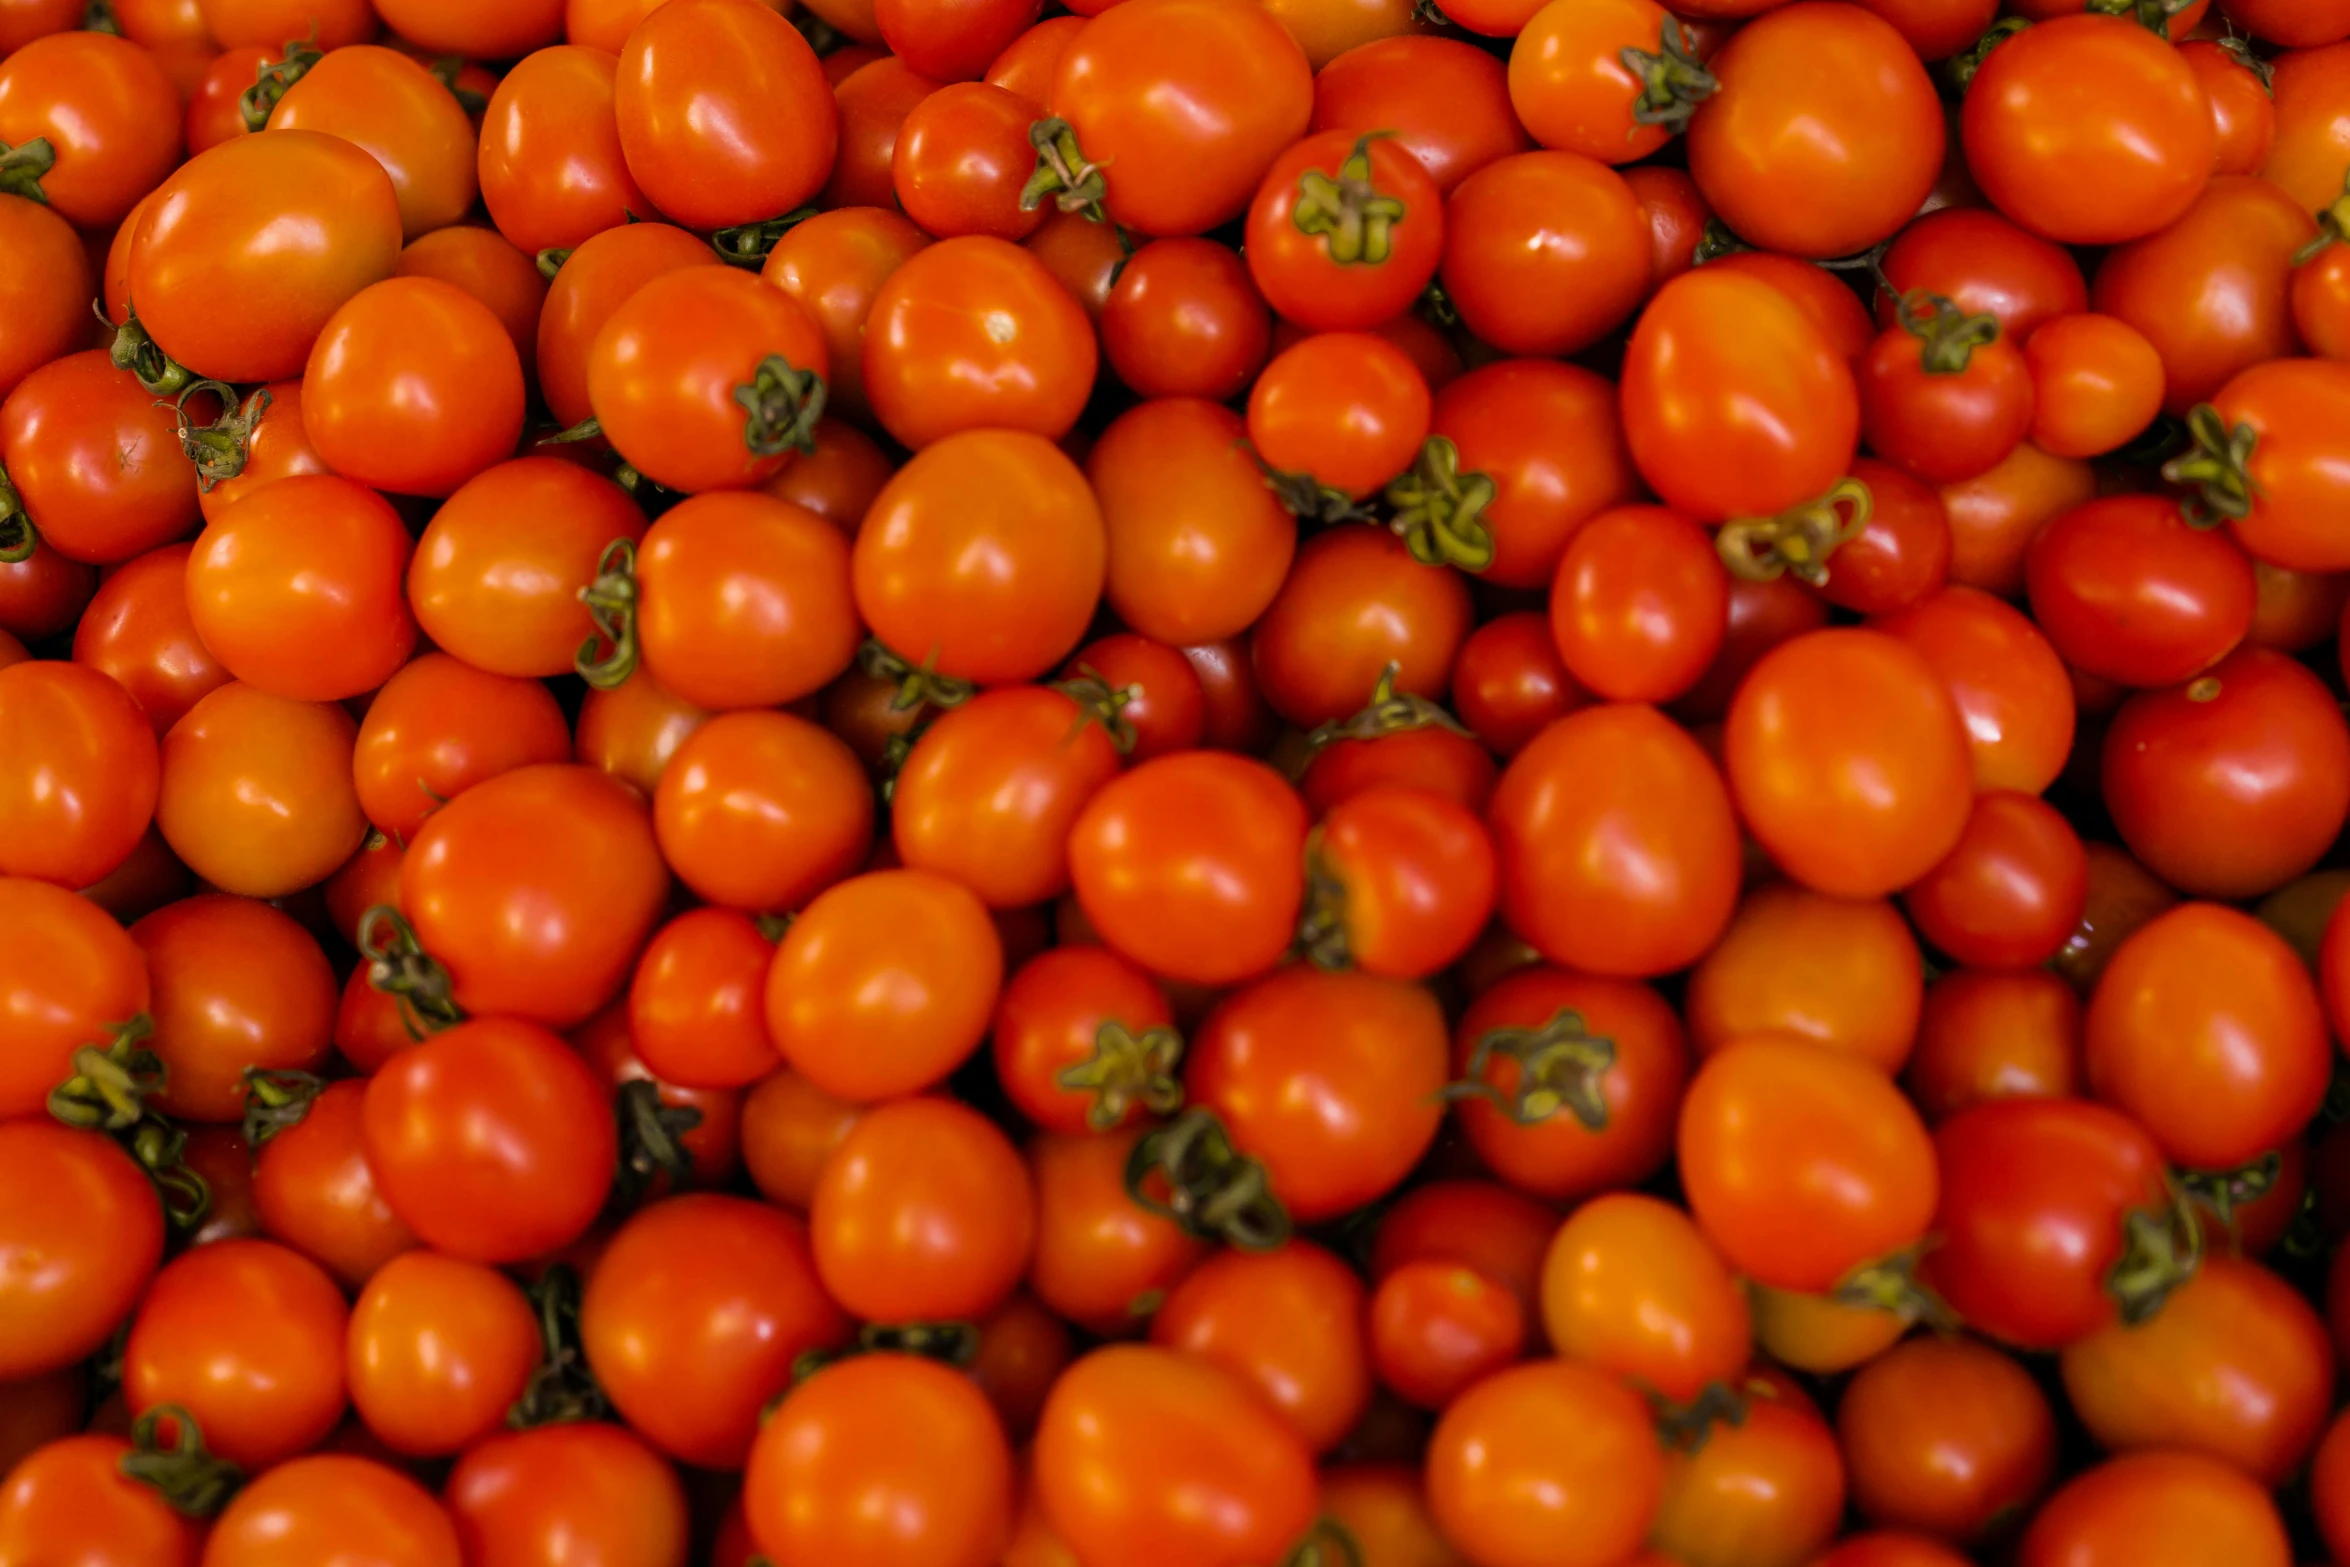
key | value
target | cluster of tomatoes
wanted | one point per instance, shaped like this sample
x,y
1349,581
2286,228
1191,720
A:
x,y
1219,783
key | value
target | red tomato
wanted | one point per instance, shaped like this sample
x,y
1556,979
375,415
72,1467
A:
x,y
2269,458
440,726
69,1498
106,110
400,114
1083,1039
44,299
924,1213
1437,1329
1945,1436
1545,253
697,1004
580,1487
2011,892
1943,394
1185,320
236,985
1839,972
137,629
1102,1259
1631,1287
1549,1464
314,1506
1766,1487
1402,883
89,1213
1290,1322
1574,90
552,172
439,1350
872,101
1549,440
256,794
952,42
1336,416
481,262
1345,232
82,774
1508,683
975,332
2096,385
2126,589
95,461
2157,1510
593,282
1640,604
961,159
313,1190
258,443
1985,265
1445,101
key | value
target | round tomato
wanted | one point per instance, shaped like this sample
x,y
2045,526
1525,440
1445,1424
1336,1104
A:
x,y
400,114
2157,1510
1545,253
1290,1322
439,1351
1946,1436
924,1213
314,1506
1943,395
236,985
1444,100
1840,972
1984,265
584,1487
592,282
81,781
2011,892
1185,320
256,794
70,1498
440,726
1630,1286
961,159
2096,385
95,461
105,110
552,173
87,1211
1549,1464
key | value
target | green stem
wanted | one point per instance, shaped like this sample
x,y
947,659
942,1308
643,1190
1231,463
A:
x,y
2217,465
277,1098
1062,172
1127,1069
949,1343
399,966
919,685
161,1150
1099,702
22,166
747,244
1321,924
190,1479
611,605
219,449
1440,511
1390,713
562,1388
1211,1189
18,537
446,70
1798,541
549,262
1961,67
1672,82
1562,1065
781,404
110,1084
133,350
1948,335
1355,220
272,79
652,1143
2161,1250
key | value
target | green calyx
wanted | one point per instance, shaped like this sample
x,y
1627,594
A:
x,y
1390,712
272,79
2153,15
219,450
2161,1249
110,1084
18,537
1099,702
1127,1069
2239,49
1321,924
2217,467
191,1480
609,655
1891,1285
1308,499
2227,1192
781,404
1561,1064
949,1343
276,1099
98,17
1672,82
1189,1172
161,1150
399,966
550,261
1440,511
919,685
133,350
1354,219
747,244
22,166
1063,172
1715,241
1962,66
1328,1543
1947,336
1686,1428
562,1389
1799,540
652,1144
2333,227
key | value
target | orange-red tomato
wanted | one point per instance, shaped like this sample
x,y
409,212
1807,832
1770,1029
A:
x,y
400,114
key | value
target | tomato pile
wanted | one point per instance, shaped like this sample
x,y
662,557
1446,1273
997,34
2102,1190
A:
x,y
1218,783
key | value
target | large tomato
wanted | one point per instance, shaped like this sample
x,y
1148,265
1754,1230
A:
x,y
401,115
96,461
552,173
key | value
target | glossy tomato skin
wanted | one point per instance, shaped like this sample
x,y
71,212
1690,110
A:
x,y
1844,973
83,773
1631,1286
1544,252
250,248
2233,784
95,462
439,1350
924,1213
1735,404
2124,588
1316,279
1639,605
256,794
974,332
1508,683
1854,174
403,116
1548,1464
1944,427
413,386
86,1209
2096,383
109,113
508,33
1253,1477
552,172
1551,438
438,727
1985,265
1415,876
277,447
1356,605
1946,1437
1127,86
313,1191
1185,319
2158,1510
952,42
1098,1252
873,101
1051,1018
309,1507
961,159
2035,1193
583,1487
2011,891
1772,1483
760,811
2293,407
1569,85
69,1500
52,270
1290,1322
599,276
2118,163
237,984
743,601
1625,777
1446,101
724,114
137,629
492,1140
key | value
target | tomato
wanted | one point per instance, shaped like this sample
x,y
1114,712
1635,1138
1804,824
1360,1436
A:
x,y
1676,219
1943,394
251,248
2096,384
1165,707
873,102
314,1506
1544,252
296,589
443,27
1437,1329
1508,682
1766,1488
1993,518
593,282
82,777
439,1350
1027,63
491,1140
982,560
1022,1349
2325,1476
1184,319
2243,116
1334,418
2012,890
552,173
837,480
953,43
1823,136
44,296
1623,776
1843,974
2157,1510
707,379
1330,1080
697,1004
1572,88
1640,605
2088,130
1403,883
631,731
1550,1464
884,984
725,117
26,20
1192,866
95,461
69,1500
1446,102
1237,1486
313,1190
440,726
1197,560
108,113
87,1212
576,1487
1631,1287
247,1337
256,794
480,262
960,160
2294,611
2054,1220
1901,553
1570,1082
263,441
1288,1322
1088,1014
1478,1226
236,984
1735,404
882,1457
497,573
1345,232
1984,265
974,332
1945,1436
1102,1260
760,811
2123,895
2126,589
401,115
1177,108
2267,457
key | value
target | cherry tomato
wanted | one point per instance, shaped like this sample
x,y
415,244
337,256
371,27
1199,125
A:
x,y
1437,1329
1993,518
2096,385
924,1213
1901,554
1549,1464
2287,407
952,43
108,112
1102,1260
1545,252
1984,265
256,794
961,159
1405,883
481,262
1508,682
581,1487
552,173
87,1212
1843,974
1572,89
2011,892
96,461
1445,101
439,1350
1630,1286
236,984
264,439
313,1190
440,726
1945,1436
603,273
70,1500
1165,707
1290,1323
82,777
44,299
873,101
313,1506
1941,399
2158,1510
401,115
1640,605
1345,232
1184,319
1765,1488
1081,1008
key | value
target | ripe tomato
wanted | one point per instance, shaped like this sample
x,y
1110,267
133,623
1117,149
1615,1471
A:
x,y
225,303
479,261
296,589
1184,319
313,1191
256,794
2011,892
837,480
400,114
1545,252
961,159
1768,1487
1626,777
1446,102
1639,605
725,117
1334,417
982,560
492,1140
1987,1035
693,1317
631,731
1823,136
2096,384
1330,1080
1549,440
88,1213
1985,265
1549,1464
884,984
582,1487
1901,553
43,299
2233,784
413,386
924,1213
873,101
247,1337
1404,883
236,984
2055,1220
108,113
712,1148
1480,1226
70,1498
974,332
1993,518
440,726
1573,89
1508,683
439,1350
1437,1329
1165,706
603,273
441,27
1345,232
1290,1323
1088,1014
312,1507
1943,394
1735,404
82,774
1102,1260
1631,1287
952,42
697,1005
2088,130
1243,1483
883,1456
2267,457
1192,866
2243,115
552,172
1177,108
1849,762
708,379
1945,1436
96,461
2157,1510
1358,609
1843,974
2182,600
